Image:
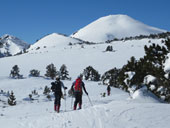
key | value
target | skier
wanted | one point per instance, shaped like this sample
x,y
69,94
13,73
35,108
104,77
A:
x,y
57,89
76,87
108,90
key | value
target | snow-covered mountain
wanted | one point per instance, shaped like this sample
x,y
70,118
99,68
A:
x,y
53,40
114,26
10,45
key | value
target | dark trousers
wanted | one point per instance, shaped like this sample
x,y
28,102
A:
x,y
78,99
108,93
57,99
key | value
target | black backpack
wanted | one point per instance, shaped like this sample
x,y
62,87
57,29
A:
x,y
56,86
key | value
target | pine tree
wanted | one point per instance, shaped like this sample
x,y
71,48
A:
x,y
15,72
91,74
12,99
46,90
64,75
51,71
131,65
109,48
111,77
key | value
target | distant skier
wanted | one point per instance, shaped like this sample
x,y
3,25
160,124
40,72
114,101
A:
x,y
108,90
57,89
77,86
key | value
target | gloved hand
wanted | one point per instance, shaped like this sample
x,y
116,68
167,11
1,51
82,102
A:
x,y
65,88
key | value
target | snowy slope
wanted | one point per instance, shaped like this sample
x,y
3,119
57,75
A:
x,y
77,57
53,40
114,26
12,45
118,110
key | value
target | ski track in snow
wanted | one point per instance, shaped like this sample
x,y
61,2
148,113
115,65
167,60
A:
x,y
117,110
99,115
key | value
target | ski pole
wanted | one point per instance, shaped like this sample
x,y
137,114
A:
x,y
89,100
65,98
71,101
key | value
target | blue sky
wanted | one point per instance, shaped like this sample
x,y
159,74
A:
x,y
33,19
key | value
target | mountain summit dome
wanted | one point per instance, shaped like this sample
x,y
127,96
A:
x,y
114,26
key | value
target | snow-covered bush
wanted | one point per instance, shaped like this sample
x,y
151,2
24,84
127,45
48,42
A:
x,y
47,90
144,95
34,73
15,72
30,97
149,79
34,92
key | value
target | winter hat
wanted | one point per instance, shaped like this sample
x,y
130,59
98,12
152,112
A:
x,y
57,77
80,76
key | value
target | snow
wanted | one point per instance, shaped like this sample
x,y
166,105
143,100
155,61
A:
x,y
114,26
152,87
53,40
160,89
149,79
12,44
167,64
119,110
79,58
116,110
129,76
143,95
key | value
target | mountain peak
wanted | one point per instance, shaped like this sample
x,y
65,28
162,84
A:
x,y
114,26
53,40
11,45
7,36
115,16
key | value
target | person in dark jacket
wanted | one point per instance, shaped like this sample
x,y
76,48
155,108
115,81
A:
x,y
57,89
77,86
108,90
